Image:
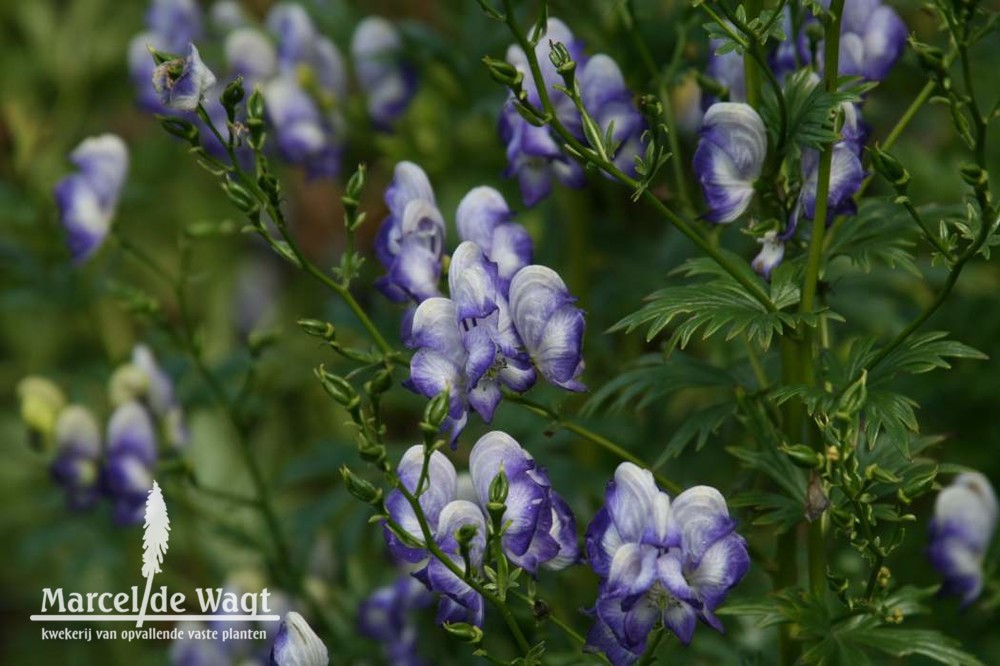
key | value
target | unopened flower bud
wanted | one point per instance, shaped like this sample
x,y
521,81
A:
x,y
231,96
650,107
875,473
504,73
355,186
803,456
182,129
437,410
380,383
832,453
561,59
318,329
360,488
464,632
974,176
499,487
239,196
338,388
889,168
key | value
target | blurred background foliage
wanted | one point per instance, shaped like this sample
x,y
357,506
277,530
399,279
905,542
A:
x,y
64,78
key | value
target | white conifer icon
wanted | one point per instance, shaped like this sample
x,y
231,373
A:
x,y
156,534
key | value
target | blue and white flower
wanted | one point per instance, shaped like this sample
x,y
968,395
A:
x,y
297,644
771,253
439,491
659,561
131,456
440,360
88,199
492,345
484,218
386,80
459,602
729,158
182,83
533,155
965,519
872,38
410,242
542,529
549,325
177,22
76,466
387,614
304,135
609,101
250,54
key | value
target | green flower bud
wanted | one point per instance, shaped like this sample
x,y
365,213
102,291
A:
x,y
318,329
464,632
338,388
380,383
561,59
437,410
239,196
650,107
504,73
255,105
465,534
231,96
182,129
360,488
889,168
875,473
499,488
803,456
355,186
974,176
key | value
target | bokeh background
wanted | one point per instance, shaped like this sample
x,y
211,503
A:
x,y
64,78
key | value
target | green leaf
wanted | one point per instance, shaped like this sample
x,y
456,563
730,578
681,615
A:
x,y
923,352
719,304
771,508
880,233
811,108
653,377
906,642
697,427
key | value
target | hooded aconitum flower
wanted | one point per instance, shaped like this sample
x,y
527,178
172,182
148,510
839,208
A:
x,y
965,518
143,380
492,345
542,530
533,155
297,644
608,100
872,37
772,251
729,158
549,325
177,22
87,200
440,489
410,242
76,466
846,174
659,561
301,46
459,602
484,218
250,54
386,616
304,135
128,466
181,83
439,362
388,83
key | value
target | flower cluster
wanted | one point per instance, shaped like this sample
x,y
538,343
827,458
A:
x,y
733,142
87,200
505,320
386,616
301,73
659,561
534,155
541,530
965,518
119,466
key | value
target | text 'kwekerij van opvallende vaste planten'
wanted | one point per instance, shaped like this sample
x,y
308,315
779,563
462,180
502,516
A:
x,y
517,332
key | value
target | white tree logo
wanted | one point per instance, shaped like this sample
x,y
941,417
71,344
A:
x,y
156,534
